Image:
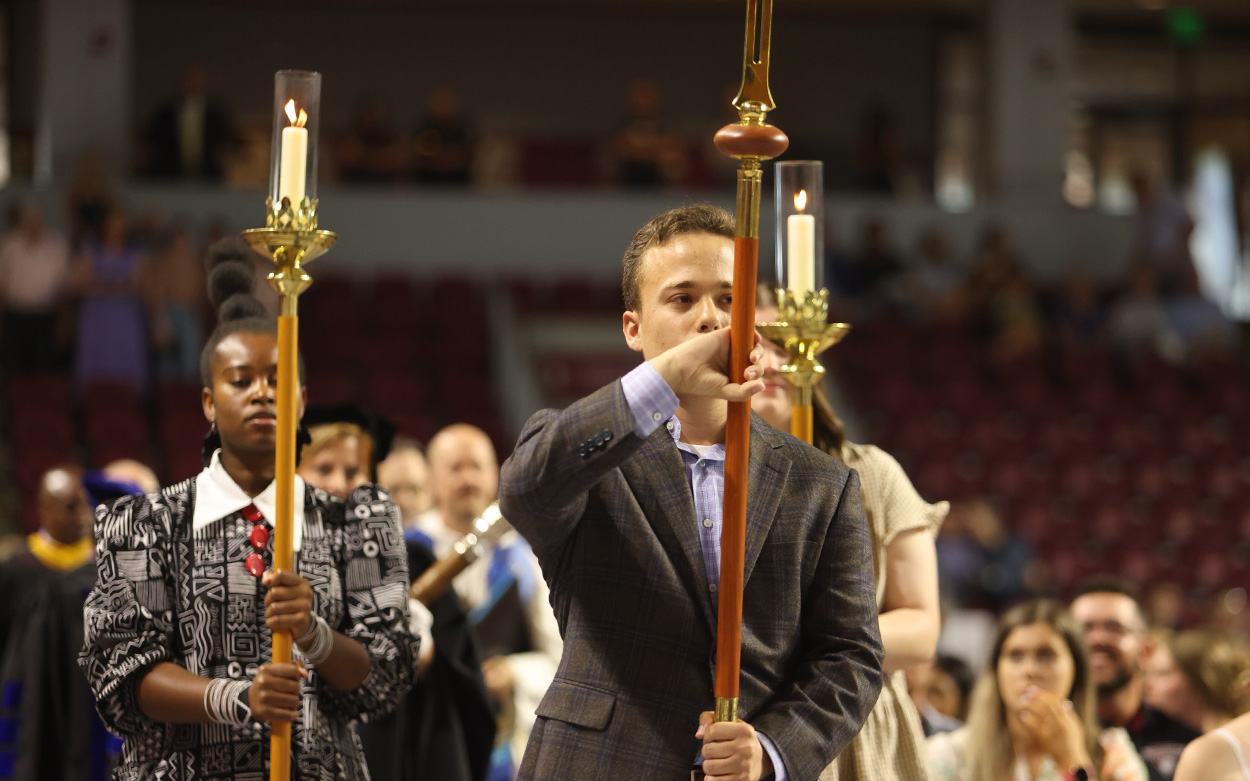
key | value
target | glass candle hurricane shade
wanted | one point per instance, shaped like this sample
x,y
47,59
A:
x,y
799,196
296,118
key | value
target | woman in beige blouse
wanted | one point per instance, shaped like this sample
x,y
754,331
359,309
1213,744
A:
x,y
891,744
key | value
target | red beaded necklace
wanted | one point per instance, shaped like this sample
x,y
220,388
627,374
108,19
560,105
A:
x,y
259,537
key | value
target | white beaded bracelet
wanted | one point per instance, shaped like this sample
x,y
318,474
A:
x,y
226,702
318,641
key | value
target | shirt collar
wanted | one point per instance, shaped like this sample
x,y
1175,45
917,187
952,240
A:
x,y
710,453
217,495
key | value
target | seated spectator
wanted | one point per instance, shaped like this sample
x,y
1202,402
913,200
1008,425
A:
x,y
34,278
933,290
1080,319
641,144
1002,301
443,146
1139,322
878,265
370,149
982,564
1032,714
131,472
1198,322
940,689
1161,231
1218,756
1165,605
1114,626
1200,679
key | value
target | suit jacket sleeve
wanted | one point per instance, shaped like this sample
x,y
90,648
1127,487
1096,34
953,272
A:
x,y
543,485
837,677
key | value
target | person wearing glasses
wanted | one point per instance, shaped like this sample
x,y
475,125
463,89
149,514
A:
x,y
1114,626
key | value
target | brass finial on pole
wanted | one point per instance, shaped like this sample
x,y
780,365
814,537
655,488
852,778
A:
x,y
291,238
752,141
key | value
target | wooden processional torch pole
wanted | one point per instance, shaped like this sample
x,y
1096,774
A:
x,y
291,238
751,140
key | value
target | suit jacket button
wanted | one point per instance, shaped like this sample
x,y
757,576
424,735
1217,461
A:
x,y
607,435
583,451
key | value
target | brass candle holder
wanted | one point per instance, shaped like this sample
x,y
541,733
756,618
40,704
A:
x,y
803,332
291,238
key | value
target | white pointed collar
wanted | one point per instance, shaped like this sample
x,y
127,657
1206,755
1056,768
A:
x,y
217,495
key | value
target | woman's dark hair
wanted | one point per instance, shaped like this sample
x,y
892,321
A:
x,y
231,282
828,432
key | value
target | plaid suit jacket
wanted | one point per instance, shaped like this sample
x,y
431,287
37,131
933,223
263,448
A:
x,y
617,537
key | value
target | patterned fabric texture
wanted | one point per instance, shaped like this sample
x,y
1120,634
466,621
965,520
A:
x,y
618,538
167,594
891,744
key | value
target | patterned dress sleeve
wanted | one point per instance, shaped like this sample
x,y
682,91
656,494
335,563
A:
x,y
373,567
946,751
129,615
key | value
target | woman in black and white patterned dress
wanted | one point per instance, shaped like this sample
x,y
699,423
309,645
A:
x,y
178,627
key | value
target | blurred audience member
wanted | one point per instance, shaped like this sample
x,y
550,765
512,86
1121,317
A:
x,y
1228,617
190,136
982,563
177,306
1139,322
1004,309
443,146
877,265
1221,755
406,475
1165,605
940,688
1199,679
1032,714
643,148
879,153
934,289
1080,318
110,275
88,199
1161,233
34,280
1114,625
1198,322
370,149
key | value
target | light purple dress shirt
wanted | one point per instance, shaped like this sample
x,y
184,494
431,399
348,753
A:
x,y
652,403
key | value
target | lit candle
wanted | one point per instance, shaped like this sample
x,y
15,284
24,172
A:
x,y
801,263
294,161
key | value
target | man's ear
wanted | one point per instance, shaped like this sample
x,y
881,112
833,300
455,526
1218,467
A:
x,y
631,326
210,408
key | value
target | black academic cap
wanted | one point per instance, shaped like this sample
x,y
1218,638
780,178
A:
x,y
380,430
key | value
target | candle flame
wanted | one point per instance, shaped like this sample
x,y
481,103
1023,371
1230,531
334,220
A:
x,y
800,200
299,121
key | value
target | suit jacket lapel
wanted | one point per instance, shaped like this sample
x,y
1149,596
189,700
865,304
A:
x,y
766,480
657,477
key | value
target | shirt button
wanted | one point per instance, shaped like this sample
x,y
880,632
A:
x,y
707,523
657,417
670,425
712,586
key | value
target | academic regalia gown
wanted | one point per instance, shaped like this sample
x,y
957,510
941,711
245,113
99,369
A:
x,y
445,728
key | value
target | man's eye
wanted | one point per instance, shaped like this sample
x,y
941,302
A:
x,y
681,299
241,383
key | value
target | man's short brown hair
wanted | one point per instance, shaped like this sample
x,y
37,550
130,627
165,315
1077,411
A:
x,y
663,228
